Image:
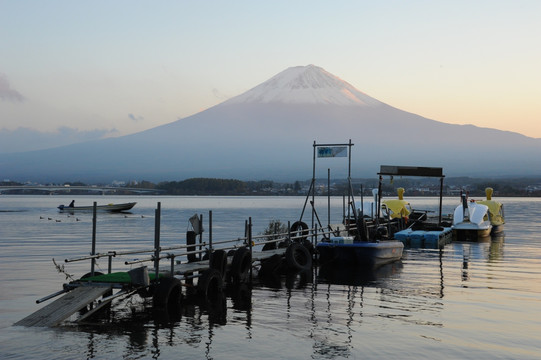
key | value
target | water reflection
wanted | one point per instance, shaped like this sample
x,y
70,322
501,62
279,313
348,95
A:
x,y
356,277
489,249
496,248
145,331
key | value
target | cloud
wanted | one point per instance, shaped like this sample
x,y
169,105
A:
x,y
136,118
25,139
7,93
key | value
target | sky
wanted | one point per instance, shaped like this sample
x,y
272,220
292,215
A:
x,y
85,69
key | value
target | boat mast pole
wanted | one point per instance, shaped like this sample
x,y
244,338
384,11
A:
x,y
441,200
328,197
378,200
157,213
350,192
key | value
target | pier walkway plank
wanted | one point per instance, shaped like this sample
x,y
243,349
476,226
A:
x,y
196,266
62,308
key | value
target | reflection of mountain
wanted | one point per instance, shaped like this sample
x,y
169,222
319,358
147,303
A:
x,y
267,133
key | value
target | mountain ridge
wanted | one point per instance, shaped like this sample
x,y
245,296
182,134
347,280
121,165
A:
x,y
251,138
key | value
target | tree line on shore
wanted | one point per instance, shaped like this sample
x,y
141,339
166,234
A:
x,y
530,187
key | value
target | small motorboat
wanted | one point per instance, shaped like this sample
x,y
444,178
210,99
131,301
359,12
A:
x,y
495,211
470,221
109,207
350,252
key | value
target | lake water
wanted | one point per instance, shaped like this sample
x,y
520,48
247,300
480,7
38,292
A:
x,y
465,301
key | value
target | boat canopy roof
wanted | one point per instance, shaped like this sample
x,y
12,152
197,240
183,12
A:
x,y
411,171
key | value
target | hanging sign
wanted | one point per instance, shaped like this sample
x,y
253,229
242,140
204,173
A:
x,y
332,151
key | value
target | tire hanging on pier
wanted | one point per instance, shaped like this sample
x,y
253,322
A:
x,y
298,257
300,228
240,266
210,285
219,262
269,246
271,266
168,293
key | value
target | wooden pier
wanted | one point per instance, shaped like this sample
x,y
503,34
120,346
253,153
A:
x,y
229,259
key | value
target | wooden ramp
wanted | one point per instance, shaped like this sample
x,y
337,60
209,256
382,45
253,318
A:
x,y
62,308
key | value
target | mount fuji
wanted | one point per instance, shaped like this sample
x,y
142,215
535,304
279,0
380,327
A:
x,y
268,133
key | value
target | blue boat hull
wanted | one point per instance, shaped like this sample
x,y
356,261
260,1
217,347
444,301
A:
x,y
367,255
431,239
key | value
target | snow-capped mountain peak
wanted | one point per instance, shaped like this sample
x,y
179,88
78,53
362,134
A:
x,y
305,85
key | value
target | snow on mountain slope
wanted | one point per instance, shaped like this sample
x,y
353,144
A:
x,y
305,85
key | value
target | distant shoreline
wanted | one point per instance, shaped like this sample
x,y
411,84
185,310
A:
x,y
475,187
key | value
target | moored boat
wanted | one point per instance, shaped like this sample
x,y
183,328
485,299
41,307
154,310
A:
x,y
108,207
470,221
347,252
416,228
495,211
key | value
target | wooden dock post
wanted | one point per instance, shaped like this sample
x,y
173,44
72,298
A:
x,y
157,238
210,237
250,243
93,251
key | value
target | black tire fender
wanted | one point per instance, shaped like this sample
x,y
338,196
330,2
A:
x,y
210,284
168,293
240,266
219,261
270,266
300,228
298,257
